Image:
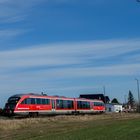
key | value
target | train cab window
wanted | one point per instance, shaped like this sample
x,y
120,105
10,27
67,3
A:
x,y
13,100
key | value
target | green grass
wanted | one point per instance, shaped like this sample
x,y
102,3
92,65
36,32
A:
x,y
108,129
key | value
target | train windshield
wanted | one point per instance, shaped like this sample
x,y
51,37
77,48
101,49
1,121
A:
x,y
13,100
11,103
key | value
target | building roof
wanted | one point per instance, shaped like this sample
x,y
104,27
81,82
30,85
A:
x,y
95,96
113,104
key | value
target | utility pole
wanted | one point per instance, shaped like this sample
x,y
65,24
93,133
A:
x,y
125,96
138,94
104,94
125,102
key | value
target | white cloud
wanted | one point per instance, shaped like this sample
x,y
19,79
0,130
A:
x,y
69,62
13,11
64,73
9,33
18,10
64,56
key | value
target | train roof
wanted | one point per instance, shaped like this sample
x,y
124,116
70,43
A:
x,y
40,95
55,96
20,95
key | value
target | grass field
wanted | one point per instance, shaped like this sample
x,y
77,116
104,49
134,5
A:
x,y
88,127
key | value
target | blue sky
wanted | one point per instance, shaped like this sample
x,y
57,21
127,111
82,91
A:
x,y
69,47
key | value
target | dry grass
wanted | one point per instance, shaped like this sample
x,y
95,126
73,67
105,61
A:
x,y
72,127
14,124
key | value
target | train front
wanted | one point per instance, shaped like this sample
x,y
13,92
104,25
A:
x,y
11,105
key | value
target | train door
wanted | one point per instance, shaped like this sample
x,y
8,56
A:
x,y
53,105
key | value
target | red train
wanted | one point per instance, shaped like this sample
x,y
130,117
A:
x,y
34,105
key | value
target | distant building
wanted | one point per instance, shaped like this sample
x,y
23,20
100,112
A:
x,y
105,99
110,107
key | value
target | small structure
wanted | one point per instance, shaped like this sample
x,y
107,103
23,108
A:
x,y
111,107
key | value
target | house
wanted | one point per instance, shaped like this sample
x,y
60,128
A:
x,y
105,99
111,107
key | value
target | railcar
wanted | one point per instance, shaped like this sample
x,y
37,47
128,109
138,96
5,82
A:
x,y
35,104
89,106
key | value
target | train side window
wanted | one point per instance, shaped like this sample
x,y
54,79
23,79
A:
x,y
32,100
83,105
98,104
101,104
95,104
80,104
70,104
65,104
88,105
26,101
47,101
59,104
38,101
43,101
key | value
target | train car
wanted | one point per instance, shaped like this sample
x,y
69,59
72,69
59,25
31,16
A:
x,y
64,105
89,106
35,104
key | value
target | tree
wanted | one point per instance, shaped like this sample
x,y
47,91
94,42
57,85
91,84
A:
x,y
131,100
115,101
